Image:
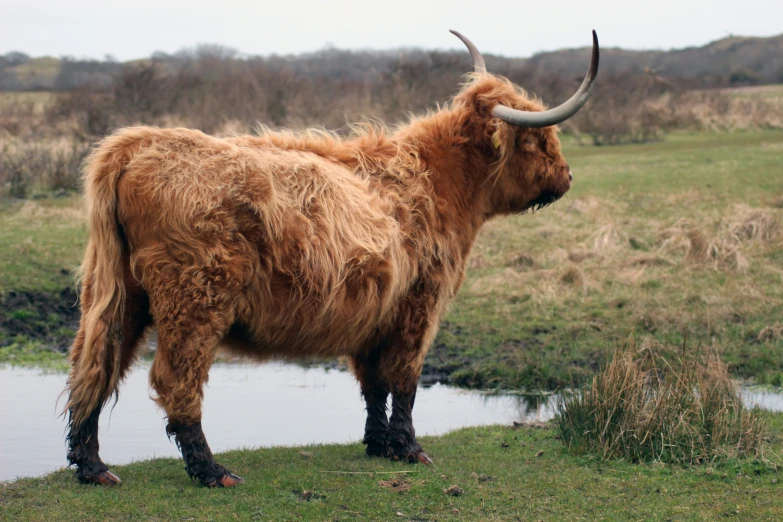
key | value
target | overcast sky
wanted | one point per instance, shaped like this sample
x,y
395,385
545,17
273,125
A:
x,y
134,29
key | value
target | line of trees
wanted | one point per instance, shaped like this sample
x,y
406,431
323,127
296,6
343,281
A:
x,y
218,91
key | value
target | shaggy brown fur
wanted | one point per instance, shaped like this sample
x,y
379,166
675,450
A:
x,y
291,245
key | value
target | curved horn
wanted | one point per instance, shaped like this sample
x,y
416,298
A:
x,y
478,60
560,113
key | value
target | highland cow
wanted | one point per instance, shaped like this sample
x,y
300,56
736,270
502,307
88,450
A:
x,y
296,245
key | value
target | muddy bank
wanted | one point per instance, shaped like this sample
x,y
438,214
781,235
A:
x,y
49,317
52,318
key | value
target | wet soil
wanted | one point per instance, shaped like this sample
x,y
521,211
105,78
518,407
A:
x,y
52,319
49,317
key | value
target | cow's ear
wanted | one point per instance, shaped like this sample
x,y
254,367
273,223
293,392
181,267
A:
x,y
502,138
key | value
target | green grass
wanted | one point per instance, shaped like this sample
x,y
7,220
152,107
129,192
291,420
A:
x,y
33,354
43,242
759,91
548,295
506,474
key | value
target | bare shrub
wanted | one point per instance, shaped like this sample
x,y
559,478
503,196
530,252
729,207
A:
x,y
634,108
623,110
42,166
89,111
210,87
648,406
16,117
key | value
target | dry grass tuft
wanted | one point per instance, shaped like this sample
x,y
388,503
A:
x,y
607,237
646,260
573,276
645,406
754,224
521,261
772,332
581,254
585,205
396,484
724,249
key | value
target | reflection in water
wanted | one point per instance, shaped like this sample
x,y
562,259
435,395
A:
x,y
245,406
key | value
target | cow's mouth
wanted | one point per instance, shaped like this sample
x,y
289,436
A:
x,y
545,198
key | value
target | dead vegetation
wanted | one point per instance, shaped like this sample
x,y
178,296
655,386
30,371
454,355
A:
x,y
648,405
725,245
220,93
34,168
398,484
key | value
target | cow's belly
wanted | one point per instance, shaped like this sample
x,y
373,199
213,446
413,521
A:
x,y
281,320
303,336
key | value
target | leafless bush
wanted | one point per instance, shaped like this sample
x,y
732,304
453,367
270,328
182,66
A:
x,y
214,89
26,167
20,116
622,110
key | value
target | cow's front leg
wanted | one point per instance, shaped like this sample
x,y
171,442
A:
x,y
376,428
402,435
375,394
395,364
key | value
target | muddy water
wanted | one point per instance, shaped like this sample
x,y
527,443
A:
x,y
244,406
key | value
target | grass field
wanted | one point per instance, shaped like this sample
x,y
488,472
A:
x,y
757,91
548,295
504,473
675,243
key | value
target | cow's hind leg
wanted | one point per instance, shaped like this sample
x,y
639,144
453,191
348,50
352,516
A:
x,y
186,348
375,393
82,440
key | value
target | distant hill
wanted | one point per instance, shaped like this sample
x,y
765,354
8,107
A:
x,y
730,61
738,59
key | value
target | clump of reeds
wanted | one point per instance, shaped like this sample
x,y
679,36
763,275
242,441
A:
x,y
645,406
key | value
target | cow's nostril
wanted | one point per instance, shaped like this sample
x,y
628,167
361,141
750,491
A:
x,y
570,176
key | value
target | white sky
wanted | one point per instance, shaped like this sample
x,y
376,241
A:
x,y
136,28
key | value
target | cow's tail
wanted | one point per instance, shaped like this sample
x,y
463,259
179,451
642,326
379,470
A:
x,y
96,353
